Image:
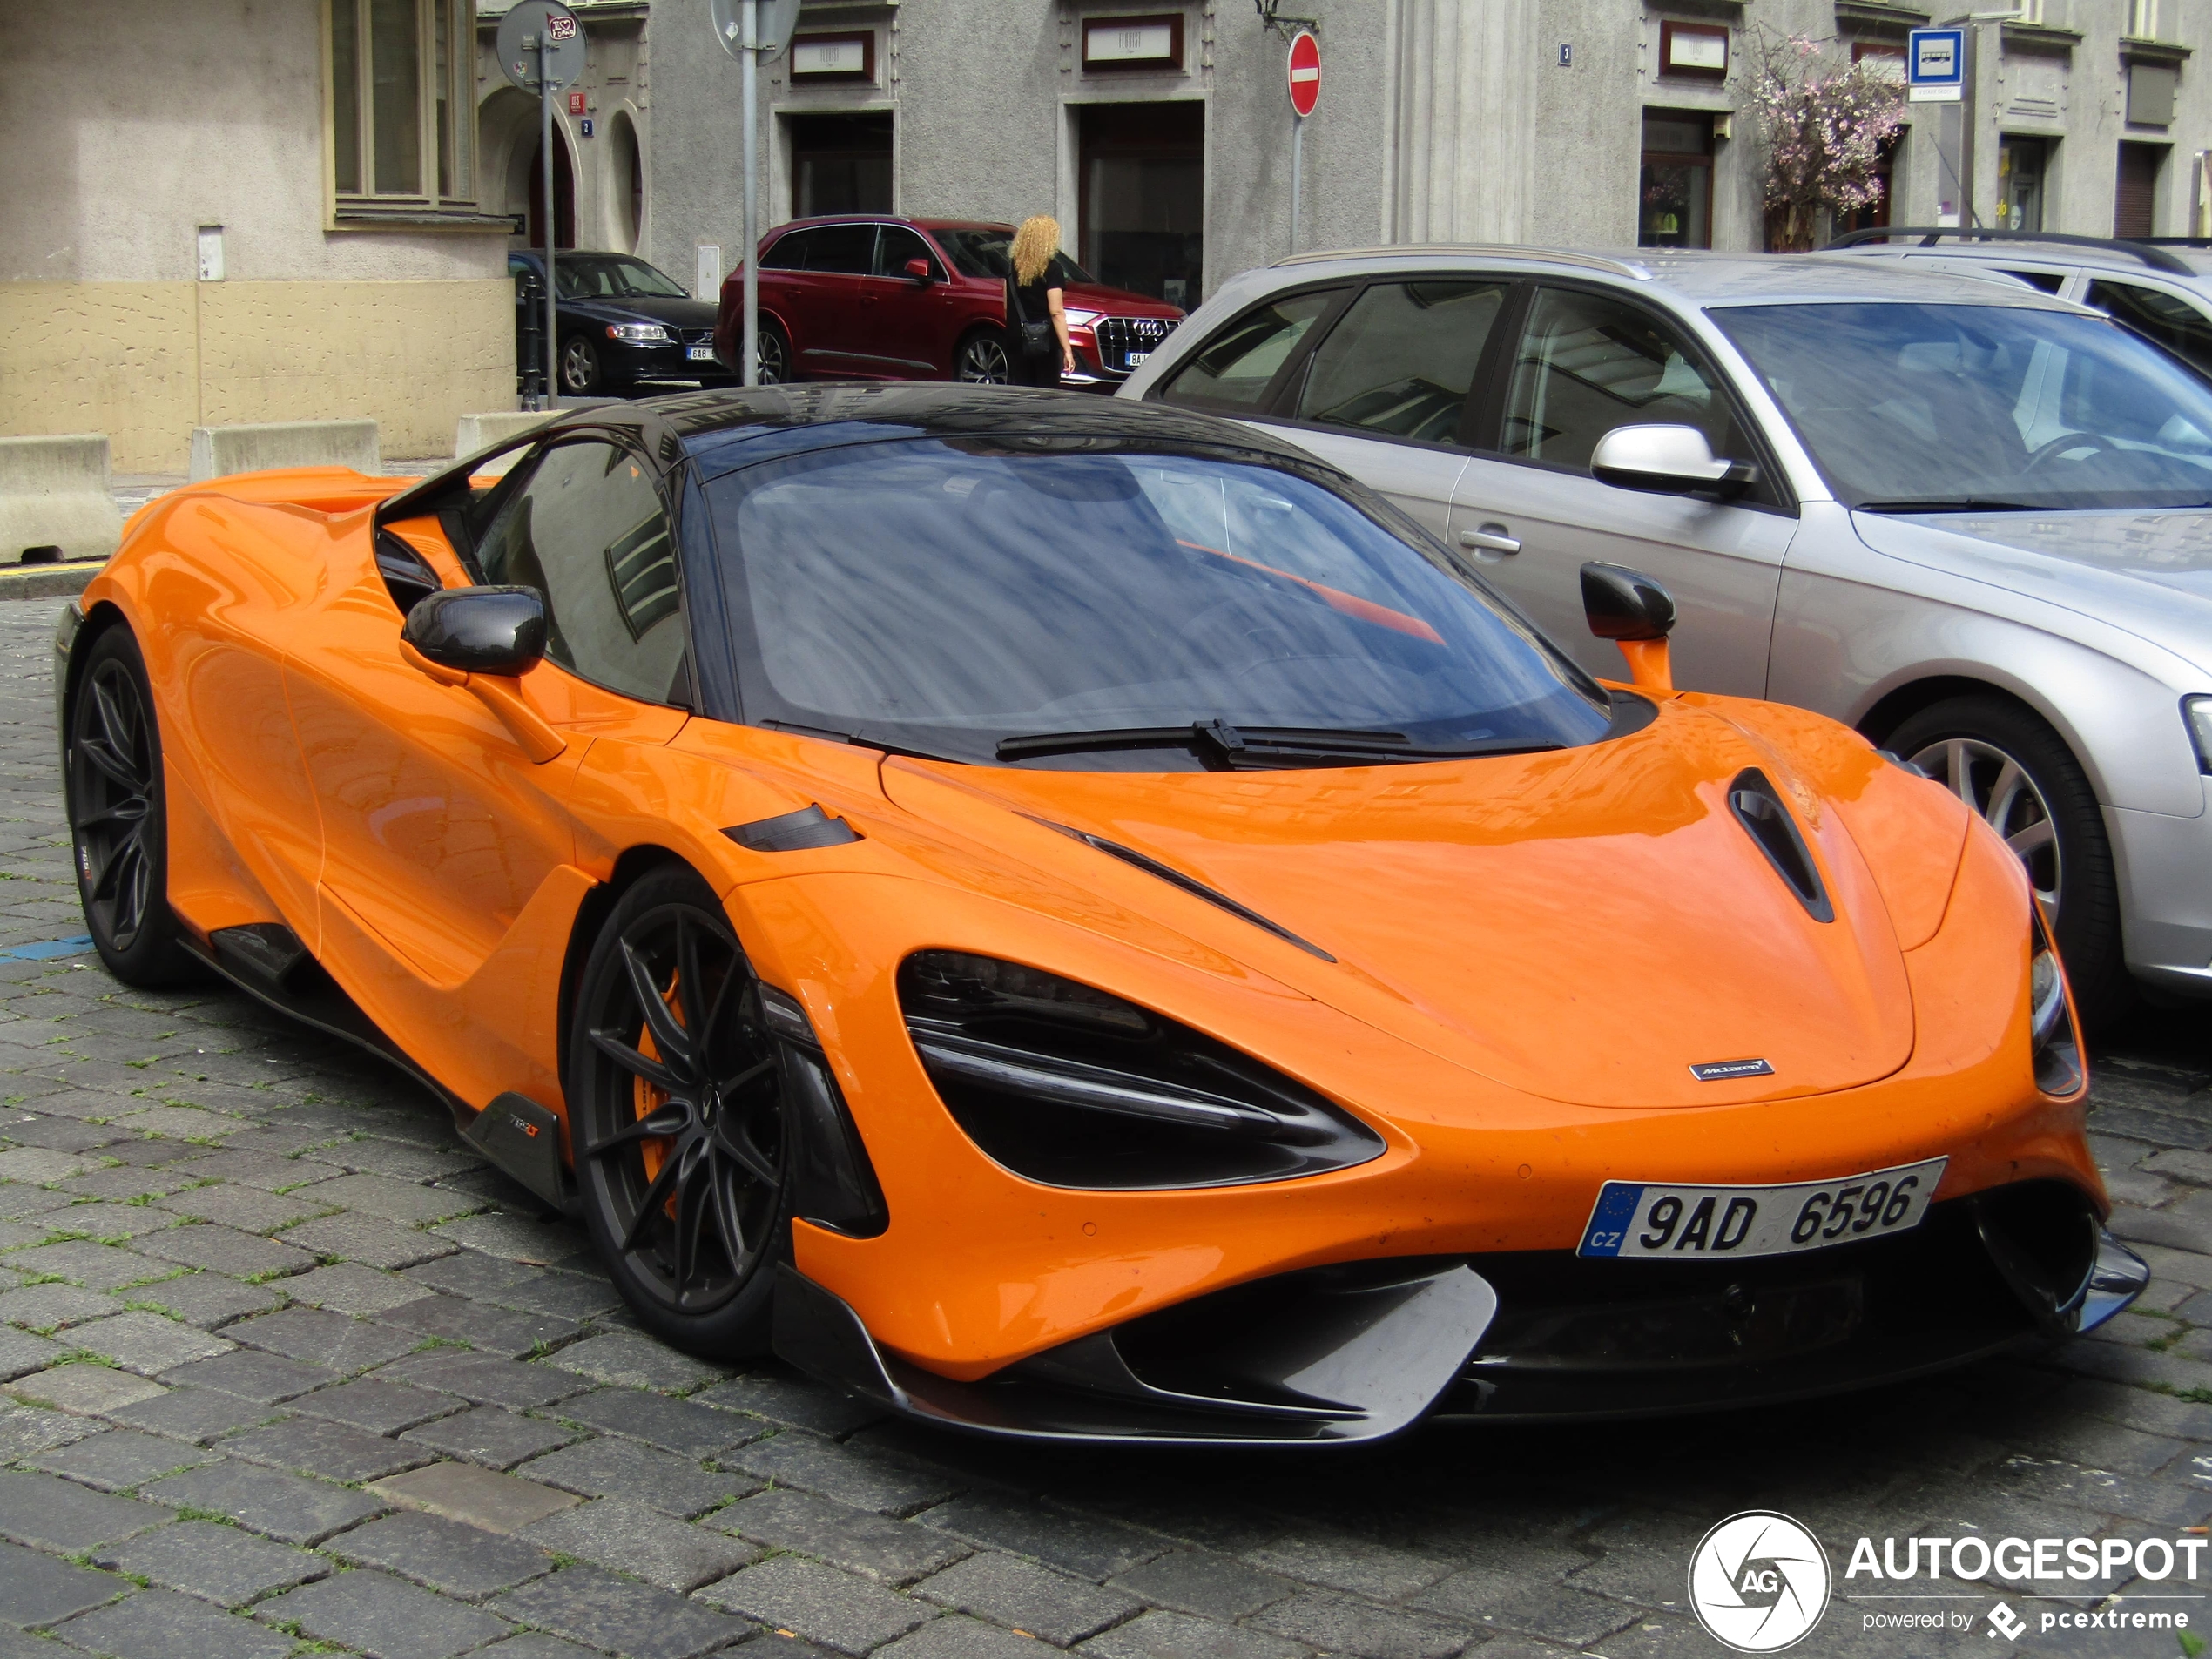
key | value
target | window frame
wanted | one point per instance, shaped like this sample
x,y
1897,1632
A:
x,y
1269,405
365,207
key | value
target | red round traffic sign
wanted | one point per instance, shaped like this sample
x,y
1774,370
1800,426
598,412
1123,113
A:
x,y
1305,73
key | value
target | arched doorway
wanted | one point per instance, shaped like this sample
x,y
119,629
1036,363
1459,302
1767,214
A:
x,y
624,191
564,192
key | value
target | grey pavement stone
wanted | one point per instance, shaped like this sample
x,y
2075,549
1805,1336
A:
x,y
383,1616
618,1468
627,1359
51,1307
1079,1544
368,1239
199,1415
146,1343
48,1514
331,1450
1344,1624
85,1387
248,1208
891,1551
249,1166
672,1424
564,1296
958,1637
484,1327
531,1644
478,1497
380,1407
251,1374
400,1201
208,1300
108,1221
97,1267
319,1337
399,1160
181,1122
469,1272
535,1242
493,1436
1010,1591
848,1614
21,1351
1559,1612
118,1458
225,1249
445,1555
225,1565
349,1287
635,1620
37,1589
41,1166
26,1429
128,1181
1200,1581
1345,1563
268,1501
628,1538
795,1402
483,1379
160,1624
865,1479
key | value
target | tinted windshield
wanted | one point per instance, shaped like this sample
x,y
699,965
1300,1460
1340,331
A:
x,y
611,276
947,595
1961,408
983,253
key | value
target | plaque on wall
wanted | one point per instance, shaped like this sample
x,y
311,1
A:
x,y
833,57
1153,43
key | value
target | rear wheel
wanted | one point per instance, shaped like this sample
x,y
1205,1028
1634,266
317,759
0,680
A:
x,y
772,356
681,1134
117,817
982,359
2017,775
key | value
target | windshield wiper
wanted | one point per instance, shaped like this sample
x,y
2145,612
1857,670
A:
x,y
1946,504
1219,740
860,738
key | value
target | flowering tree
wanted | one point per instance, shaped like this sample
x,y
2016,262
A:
x,y
1825,122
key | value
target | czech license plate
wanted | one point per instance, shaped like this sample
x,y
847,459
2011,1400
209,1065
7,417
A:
x,y
1684,1224
1136,357
701,354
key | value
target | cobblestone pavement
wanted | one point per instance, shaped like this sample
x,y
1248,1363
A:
x,y
292,1371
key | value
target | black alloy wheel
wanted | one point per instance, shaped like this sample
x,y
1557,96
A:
x,y
2017,774
579,366
682,1138
770,355
981,359
118,816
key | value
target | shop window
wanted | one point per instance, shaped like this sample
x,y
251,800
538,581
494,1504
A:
x,y
1675,199
1143,170
2021,166
840,163
403,105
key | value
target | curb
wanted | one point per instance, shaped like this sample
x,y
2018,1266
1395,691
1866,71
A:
x,y
47,581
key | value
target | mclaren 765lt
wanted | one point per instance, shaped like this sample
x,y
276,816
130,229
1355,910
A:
x,y
1077,920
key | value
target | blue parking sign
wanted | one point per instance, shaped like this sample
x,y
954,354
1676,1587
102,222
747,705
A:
x,y
1935,66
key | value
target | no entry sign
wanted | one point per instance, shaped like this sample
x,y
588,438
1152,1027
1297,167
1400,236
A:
x,y
1305,73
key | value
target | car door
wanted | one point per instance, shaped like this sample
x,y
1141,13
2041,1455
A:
x,y
448,870
831,326
906,324
1582,362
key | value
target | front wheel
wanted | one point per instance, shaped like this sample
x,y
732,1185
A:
x,y
579,366
2018,775
119,824
982,359
682,1138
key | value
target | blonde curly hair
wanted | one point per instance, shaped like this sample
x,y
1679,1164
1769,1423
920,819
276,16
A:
x,y
1034,246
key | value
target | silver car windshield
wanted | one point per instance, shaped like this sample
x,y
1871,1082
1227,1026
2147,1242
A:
x,y
1967,408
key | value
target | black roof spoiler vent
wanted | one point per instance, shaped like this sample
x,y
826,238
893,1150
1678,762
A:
x,y
1758,808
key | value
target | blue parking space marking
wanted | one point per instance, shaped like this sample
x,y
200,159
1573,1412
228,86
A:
x,y
74,944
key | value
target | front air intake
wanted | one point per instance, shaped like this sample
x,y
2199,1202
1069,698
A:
x,y
1758,808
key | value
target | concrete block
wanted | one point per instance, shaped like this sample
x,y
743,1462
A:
x,y
474,432
54,492
217,451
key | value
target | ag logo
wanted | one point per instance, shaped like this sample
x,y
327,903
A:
x,y
1758,1582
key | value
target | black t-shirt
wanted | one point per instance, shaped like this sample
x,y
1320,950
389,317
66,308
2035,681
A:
x,y
1035,307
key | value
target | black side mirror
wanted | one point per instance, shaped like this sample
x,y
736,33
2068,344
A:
x,y
1622,604
479,631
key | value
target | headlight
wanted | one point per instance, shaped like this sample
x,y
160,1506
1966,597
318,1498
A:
x,y
2198,711
2058,1057
1072,1087
1078,318
640,333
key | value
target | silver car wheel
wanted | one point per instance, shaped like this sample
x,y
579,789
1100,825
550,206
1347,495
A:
x,y
983,362
2000,790
768,358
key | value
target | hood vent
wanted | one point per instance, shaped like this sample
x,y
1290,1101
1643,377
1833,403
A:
x,y
1758,808
1176,878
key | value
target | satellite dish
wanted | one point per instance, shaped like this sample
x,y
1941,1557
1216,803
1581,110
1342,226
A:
x,y
556,25
778,19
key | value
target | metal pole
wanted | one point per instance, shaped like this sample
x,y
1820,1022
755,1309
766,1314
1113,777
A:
x,y
552,229
751,64
1298,172
1970,111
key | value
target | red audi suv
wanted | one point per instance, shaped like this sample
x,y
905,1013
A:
x,y
870,297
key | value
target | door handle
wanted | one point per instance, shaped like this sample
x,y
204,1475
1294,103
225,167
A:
x,y
1491,539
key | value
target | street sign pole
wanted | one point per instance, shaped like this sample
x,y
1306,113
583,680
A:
x,y
1298,172
552,229
541,51
749,62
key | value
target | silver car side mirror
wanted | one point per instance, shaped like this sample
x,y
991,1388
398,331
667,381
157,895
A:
x,y
1667,461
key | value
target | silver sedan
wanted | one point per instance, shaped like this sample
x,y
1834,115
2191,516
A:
x,y
1973,523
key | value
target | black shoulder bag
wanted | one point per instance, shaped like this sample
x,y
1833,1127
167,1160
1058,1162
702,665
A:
x,y
1036,339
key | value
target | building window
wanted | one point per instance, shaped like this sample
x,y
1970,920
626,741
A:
x,y
1141,207
840,163
2143,19
402,105
1674,202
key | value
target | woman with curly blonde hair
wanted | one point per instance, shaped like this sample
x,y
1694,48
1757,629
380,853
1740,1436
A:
x,y
1036,323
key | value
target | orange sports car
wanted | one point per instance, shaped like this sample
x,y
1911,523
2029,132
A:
x,y
1076,920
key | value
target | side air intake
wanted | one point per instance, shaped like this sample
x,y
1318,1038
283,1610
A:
x,y
1758,808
